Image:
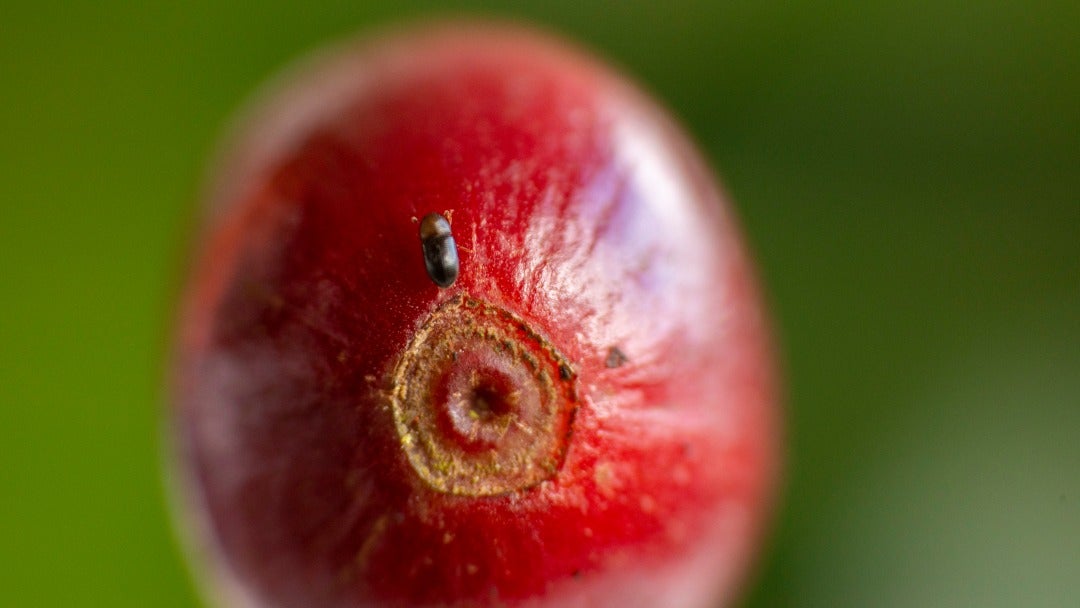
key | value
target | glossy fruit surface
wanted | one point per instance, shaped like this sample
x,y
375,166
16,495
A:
x,y
584,417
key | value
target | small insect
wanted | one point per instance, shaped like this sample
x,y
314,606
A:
x,y
440,251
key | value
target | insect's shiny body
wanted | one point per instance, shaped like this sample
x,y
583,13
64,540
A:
x,y
440,251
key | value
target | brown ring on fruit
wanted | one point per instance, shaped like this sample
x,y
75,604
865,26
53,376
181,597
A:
x,y
483,403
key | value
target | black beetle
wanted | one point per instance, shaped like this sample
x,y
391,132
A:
x,y
440,251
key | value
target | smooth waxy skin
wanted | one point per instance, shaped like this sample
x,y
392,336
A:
x,y
348,433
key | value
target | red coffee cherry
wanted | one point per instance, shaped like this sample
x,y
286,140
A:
x,y
561,396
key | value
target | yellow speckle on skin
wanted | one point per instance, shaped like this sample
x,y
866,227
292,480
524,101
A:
x,y
648,505
447,538
604,478
471,568
371,541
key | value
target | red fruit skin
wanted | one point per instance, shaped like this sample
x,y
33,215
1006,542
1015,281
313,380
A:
x,y
579,210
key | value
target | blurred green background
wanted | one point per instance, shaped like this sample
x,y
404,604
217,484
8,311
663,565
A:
x,y
908,173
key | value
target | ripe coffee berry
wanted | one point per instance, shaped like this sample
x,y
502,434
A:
x,y
469,323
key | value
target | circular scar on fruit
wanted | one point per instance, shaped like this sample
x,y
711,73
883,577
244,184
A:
x,y
483,403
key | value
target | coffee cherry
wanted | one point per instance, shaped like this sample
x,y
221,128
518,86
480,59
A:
x,y
582,413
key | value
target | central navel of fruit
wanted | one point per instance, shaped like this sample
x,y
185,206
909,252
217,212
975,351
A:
x,y
483,403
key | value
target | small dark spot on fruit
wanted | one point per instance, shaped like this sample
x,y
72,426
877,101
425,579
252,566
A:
x,y
576,574
565,372
615,358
